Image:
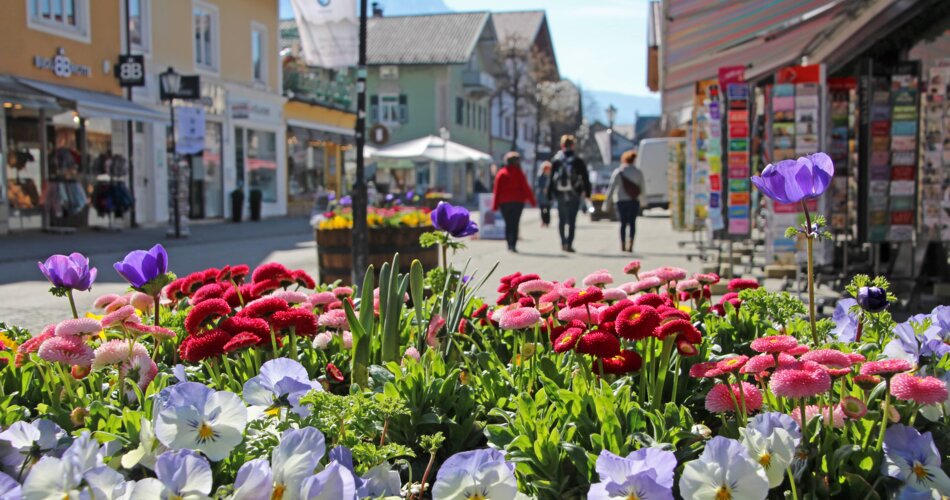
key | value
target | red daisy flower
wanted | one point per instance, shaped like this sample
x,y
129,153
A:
x,y
32,345
192,283
264,307
173,290
611,312
682,329
668,313
505,283
652,299
209,291
204,313
271,271
742,284
567,340
729,296
555,332
239,273
626,362
686,348
302,321
885,366
264,287
210,275
853,407
237,324
234,295
513,284
774,343
921,390
199,347
637,322
526,302
585,297
334,372
867,382
240,341
598,343
706,369
303,279
718,400
732,364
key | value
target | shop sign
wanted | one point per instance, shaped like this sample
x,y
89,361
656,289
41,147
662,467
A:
x,y
379,134
249,110
61,66
190,137
131,70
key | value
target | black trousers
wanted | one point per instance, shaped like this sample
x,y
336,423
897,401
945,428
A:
x,y
628,211
545,214
511,212
567,208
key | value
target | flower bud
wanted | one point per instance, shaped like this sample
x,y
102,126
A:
x,y
872,299
78,416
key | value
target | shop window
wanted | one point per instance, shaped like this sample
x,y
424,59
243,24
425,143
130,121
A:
x,y
66,18
389,109
459,111
261,163
403,109
140,24
206,36
374,108
258,53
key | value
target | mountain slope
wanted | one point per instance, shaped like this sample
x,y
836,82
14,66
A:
x,y
627,105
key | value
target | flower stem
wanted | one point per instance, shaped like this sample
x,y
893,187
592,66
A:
x,y
157,309
425,475
293,343
809,236
791,481
887,401
804,421
663,367
72,302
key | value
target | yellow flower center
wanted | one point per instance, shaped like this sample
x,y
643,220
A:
x,y
582,293
765,459
176,497
477,496
732,362
635,316
278,493
723,493
632,496
205,432
920,471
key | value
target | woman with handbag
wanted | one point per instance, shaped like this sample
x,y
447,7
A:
x,y
624,191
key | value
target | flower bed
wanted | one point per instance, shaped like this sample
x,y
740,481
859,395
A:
x,y
238,384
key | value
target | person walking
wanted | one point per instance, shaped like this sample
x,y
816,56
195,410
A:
x,y
624,191
570,184
511,192
541,186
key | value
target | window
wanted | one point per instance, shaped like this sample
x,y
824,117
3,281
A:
x,y
258,53
140,24
261,162
374,108
206,36
403,109
459,111
389,109
66,18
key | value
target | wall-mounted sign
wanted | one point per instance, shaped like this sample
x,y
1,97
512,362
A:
x,y
184,87
190,130
61,66
244,110
130,70
379,134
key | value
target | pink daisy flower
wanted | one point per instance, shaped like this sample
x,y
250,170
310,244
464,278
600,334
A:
x,y
689,286
578,314
732,364
322,340
718,399
707,278
775,343
798,350
853,407
335,318
69,351
648,283
346,338
141,301
342,291
811,411
436,323
118,316
885,366
648,274
856,359
835,362
742,284
598,278
412,352
520,318
116,304
322,298
116,351
632,267
535,287
140,369
291,296
77,327
567,291
104,300
804,381
569,283
614,294
921,390
668,274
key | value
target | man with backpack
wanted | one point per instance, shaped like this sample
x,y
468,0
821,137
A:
x,y
570,184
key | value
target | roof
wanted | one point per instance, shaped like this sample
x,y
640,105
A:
x,y
429,39
518,27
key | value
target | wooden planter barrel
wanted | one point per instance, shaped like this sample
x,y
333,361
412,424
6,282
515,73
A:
x,y
334,247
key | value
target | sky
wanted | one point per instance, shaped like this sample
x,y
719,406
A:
x,y
600,44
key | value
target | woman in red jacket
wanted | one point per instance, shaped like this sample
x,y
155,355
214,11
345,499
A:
x,y
511,193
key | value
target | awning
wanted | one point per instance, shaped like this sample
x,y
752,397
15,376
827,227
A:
x,y
14,93
431,148
91,104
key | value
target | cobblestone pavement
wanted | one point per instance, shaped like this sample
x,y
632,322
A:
x,y
24,301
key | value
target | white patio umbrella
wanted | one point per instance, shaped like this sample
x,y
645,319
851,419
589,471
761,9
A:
x,y
431,148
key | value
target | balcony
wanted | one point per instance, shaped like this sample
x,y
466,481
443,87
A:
x,y
477,83
333,89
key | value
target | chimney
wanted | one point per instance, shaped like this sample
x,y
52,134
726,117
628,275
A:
x,y
377,10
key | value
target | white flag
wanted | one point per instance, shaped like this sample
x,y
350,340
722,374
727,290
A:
x,y
189,130
329,32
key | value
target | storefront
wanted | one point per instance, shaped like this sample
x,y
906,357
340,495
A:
x,y
259,149
318,139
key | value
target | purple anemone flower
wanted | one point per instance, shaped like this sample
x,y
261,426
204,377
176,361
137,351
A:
x,y
140,267
71,271
454,220
346,201
792,181
872,299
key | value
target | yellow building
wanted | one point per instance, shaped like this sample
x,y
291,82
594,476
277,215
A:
x,y
62,113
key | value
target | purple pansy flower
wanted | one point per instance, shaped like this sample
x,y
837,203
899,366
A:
x,y
70,271
846,323
913,458
140,267
482,473
792,181
454,220
911,346
646,473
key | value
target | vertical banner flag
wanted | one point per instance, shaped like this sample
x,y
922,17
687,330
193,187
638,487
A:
x,y
329,32
190,130
738,164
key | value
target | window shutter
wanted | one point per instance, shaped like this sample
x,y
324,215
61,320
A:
x,y
374,108
403,109
459,111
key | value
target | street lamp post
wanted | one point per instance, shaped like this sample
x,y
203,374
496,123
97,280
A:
x,y
611,116
360,250
171,85
445,134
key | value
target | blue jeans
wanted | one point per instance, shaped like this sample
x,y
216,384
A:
x,y
567,208
628,211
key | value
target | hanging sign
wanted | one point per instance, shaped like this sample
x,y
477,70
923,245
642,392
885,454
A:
x,y
491,225
329,32
130,70
189,130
